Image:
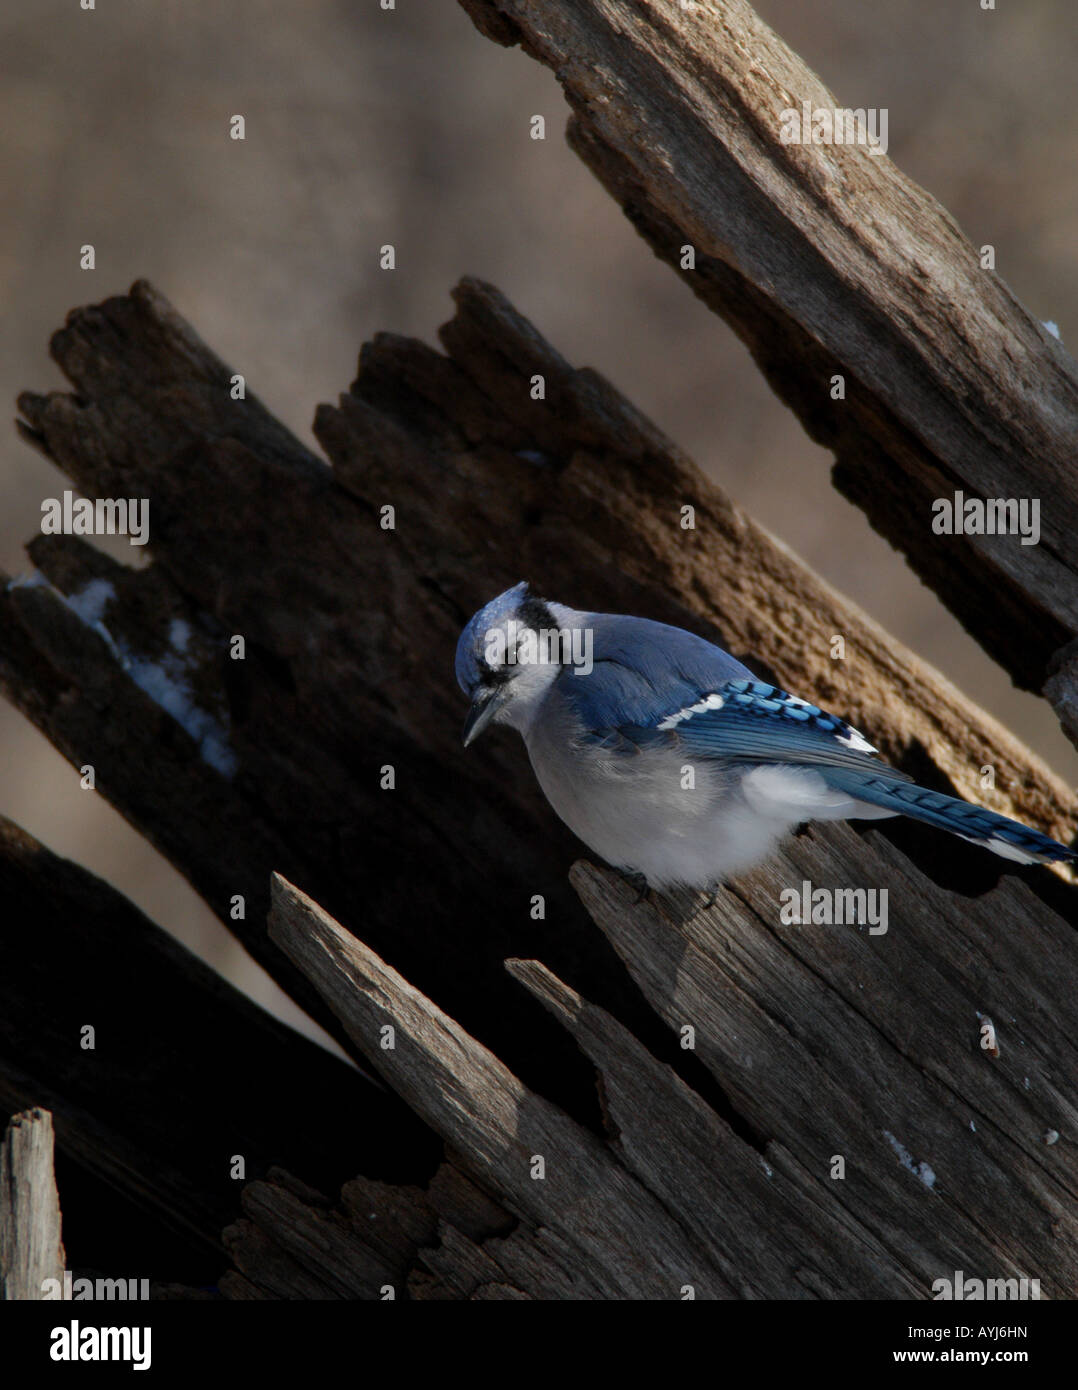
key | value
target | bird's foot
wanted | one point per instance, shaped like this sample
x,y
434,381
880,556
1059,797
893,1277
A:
x,y
711,896
640,883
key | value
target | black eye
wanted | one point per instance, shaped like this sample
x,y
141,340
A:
x,y
495,675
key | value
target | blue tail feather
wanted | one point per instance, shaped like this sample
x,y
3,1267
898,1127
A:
x,y
1009,838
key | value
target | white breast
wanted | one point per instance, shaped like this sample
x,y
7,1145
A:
x,y
658,813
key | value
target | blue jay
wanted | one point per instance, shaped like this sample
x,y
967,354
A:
x,y
667,756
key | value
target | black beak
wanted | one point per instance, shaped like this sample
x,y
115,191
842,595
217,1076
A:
x,y
487,702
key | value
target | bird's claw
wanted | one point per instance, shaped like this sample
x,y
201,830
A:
x,y
640,883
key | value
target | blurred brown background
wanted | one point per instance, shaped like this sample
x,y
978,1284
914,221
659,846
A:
x,y
367,126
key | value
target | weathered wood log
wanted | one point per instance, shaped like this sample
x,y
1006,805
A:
x,y
579,492
184,1075
949,1153
379,1241
31,1249
611,1232
827,260
775,1218
280,762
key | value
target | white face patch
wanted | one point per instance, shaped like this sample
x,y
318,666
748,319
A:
x,y
527,688
709,702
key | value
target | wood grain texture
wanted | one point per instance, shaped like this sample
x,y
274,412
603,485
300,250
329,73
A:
x,y
185,1072
944,1159
826,259
831,1042
602,1218
765,1233
31,1249
350,632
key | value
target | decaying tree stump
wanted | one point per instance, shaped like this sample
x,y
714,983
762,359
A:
x,y
810,1044
782,1110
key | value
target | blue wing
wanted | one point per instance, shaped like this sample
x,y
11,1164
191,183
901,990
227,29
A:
x,y
739,719
653,685
752,722
642,670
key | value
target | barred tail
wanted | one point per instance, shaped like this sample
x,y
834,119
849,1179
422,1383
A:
x,y
1008,838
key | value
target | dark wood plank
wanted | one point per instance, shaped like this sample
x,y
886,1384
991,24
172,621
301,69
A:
x,y
834,1042
608,1226
185,1072
826,259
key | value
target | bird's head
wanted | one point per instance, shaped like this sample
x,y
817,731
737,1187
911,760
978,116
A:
x,y
503,664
